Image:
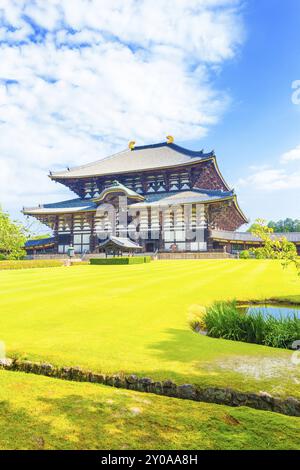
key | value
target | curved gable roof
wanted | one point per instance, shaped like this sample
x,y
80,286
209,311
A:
x,y
117,187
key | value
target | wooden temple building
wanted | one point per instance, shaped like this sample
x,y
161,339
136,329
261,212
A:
x,y
176,199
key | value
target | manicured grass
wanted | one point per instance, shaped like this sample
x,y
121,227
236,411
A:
x,y
43,413
29,264
134,319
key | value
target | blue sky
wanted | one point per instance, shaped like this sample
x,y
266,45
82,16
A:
x,y
80,79
262,123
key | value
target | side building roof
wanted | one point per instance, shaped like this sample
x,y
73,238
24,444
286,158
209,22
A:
x,y
39,243
247,237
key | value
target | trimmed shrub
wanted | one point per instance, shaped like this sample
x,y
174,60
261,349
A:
x,y
245,254
120,260
226,320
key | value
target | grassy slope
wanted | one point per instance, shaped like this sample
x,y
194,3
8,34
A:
x,y
44,413
134,319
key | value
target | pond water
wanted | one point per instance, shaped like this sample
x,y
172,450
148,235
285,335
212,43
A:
x,y
275,310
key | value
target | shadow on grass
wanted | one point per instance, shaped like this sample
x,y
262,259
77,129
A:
x,y
20,430
186,346
76,422
128,420
222,363
120,420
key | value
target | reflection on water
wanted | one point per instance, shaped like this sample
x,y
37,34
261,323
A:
x,y
276,311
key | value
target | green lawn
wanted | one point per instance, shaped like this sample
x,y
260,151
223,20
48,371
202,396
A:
x,y
44,413
133,319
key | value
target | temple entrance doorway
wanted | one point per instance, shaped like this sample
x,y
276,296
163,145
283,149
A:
x,y
149,247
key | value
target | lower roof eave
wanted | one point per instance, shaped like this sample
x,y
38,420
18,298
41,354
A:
x,y
50,212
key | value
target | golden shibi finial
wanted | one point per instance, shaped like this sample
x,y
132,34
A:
x,y
131,145
170,139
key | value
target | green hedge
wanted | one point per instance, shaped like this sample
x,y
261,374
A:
x,y
121,260
26,264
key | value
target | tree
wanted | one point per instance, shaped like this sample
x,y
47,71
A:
x,y
287,225
12,237
274,247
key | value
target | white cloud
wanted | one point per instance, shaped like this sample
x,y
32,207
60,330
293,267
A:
x,y
291,155
270,179
282,176
80,78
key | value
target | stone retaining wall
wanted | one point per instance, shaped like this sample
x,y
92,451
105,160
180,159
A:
x,y
224,396
162,255
46,256
196,255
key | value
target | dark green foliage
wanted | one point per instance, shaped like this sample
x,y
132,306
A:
x,y
226,320
121,260
287,225
281,333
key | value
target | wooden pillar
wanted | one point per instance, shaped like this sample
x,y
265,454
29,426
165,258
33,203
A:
x,y
144,183
166,181
179,225
72,228
55,230
92,236
201,227
155,224
191,177
144,224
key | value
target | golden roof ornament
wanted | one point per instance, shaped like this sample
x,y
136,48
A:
x,y
170,139
131,145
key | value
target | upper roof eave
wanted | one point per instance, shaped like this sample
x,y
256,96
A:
x,y
57,176
240,210
148,157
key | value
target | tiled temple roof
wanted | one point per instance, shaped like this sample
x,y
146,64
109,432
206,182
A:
x,y
73,205
40,242
151,200
147,157
184,197
121,242
248,237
